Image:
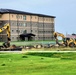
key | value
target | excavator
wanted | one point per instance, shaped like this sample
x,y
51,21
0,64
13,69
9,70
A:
x,y
7,28
70,42
7,44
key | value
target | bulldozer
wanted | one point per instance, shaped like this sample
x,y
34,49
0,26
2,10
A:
x,y
66,41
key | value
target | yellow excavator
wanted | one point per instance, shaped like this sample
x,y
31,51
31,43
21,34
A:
x,y
6,45
65,40
7,28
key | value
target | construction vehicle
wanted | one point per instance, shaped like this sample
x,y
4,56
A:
x,y
65,40
7,28
7,44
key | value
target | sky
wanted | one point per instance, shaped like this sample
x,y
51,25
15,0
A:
x,y
63,10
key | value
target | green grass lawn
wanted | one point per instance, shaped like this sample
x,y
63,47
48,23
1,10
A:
x,y
19,43
33,63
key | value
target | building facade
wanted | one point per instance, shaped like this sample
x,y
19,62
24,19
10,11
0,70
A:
x,y
24,22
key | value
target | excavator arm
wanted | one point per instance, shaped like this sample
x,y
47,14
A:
x,y
56,34
7,28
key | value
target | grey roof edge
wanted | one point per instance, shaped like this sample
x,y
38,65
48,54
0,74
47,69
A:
x,y
2,11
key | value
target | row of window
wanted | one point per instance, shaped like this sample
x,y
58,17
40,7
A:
x,y
47,25
45,31
18,24
18,31
14,38
20,16
31,24
46,19
33,17
34,31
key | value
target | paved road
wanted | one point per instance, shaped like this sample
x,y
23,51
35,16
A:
x,y
34,51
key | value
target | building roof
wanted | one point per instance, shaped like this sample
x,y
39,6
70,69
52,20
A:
x,y
2,11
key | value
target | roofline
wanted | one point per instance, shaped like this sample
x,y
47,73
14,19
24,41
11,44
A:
x,y
3,11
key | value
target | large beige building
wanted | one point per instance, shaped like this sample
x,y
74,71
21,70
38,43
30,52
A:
x,y
42,26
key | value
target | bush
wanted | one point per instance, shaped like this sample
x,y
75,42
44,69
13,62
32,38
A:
x,y
24,57
3,64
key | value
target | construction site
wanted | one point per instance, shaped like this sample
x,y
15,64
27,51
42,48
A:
x,y
37,37
37,28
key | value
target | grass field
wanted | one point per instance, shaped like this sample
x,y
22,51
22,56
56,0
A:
x,y
33,63
19,43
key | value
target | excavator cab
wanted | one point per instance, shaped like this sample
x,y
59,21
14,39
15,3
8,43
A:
x,y
66,41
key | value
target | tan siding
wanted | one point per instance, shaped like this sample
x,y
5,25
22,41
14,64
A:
x,y
31,18
5,17
27,17
16,17
13,17
34,18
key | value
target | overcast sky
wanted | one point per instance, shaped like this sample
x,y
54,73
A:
x,y
64,10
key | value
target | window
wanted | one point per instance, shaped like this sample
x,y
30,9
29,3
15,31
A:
x,y
12,24
17,16
35,17
21,31
16,37
12,37
18,24
41,18
17,31
24,24
12,30
25,31
31,30
24,17
31,17
21,16
52,19
12,16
